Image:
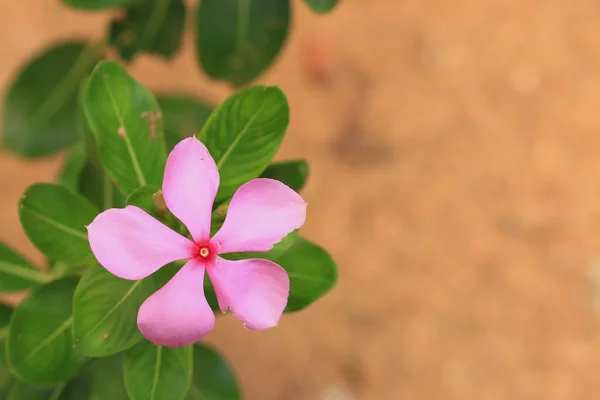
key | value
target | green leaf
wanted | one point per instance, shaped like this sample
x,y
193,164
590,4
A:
x,y
149,198
5,375
23,391
128,127
312,273
105,310
94,184
97,187
184,116
54,219
40,108
101,4
5,314
71,171
143,197
213,377
292,173
108,381
236,40
311,269
39,347
77,389
157,372
155,26
244,133
322,6
17,273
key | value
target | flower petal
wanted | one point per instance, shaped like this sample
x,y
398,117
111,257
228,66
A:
x,y
190,185
261,213
131,244
178,314
256,290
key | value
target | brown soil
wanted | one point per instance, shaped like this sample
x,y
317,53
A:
x,y
454,148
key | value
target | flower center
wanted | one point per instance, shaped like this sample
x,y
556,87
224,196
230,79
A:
x,y
204,252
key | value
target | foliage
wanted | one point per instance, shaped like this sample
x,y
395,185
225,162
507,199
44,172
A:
x,y
74,336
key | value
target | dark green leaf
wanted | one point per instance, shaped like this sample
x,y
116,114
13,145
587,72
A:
x,y
128,127
157,372
292,173
184,116
213,377
71,171
6,379
40,108
143,197
321,6
101,4
108,381
39,347
96,186
105,310
23,391
155,26
5,313
77,389
244,133
55,218
17,273
149,198
238,39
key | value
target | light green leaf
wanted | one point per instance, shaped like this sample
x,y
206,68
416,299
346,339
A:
x,y
236,40
105,310
157,372
244,133
17,273
54,219
41,104
213,377
128,126
101,4
39,347
322,6
184,116
155,26
292,173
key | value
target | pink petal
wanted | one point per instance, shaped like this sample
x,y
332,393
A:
x,y
131,244
261,213
190,185
256,290
178,314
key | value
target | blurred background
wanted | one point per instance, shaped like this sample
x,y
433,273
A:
x,y
455,177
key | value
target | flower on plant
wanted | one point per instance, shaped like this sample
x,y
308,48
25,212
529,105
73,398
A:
x,y
132,244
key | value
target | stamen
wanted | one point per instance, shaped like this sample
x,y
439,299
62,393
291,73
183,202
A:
x,y
204,252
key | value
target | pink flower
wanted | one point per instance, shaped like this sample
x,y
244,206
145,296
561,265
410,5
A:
x,y
132,245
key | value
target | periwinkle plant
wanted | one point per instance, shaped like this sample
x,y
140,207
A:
x,y
150,182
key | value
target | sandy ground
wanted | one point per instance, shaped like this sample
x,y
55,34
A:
x,y
454,148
